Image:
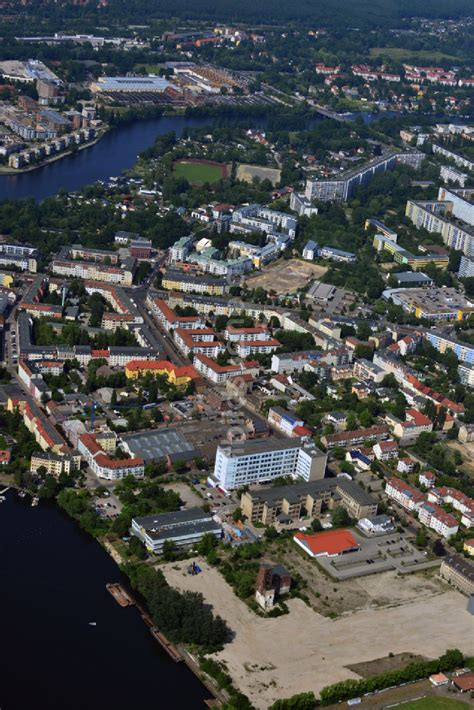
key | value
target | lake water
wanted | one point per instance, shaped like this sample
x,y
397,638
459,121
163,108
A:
x,y
52,585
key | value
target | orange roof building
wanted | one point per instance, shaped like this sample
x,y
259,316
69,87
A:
x,y
327,544
179,376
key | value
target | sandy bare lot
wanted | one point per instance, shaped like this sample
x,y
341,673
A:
x,y
246,173
302,651
286,276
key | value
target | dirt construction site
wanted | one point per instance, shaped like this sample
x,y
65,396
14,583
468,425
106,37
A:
x,y
270,658
286,276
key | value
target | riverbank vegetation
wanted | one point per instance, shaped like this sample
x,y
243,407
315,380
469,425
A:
x,y
183,617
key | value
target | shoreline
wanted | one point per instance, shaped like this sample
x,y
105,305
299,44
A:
x,y
7,171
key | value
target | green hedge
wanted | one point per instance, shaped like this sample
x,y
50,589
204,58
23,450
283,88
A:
x,y
414,671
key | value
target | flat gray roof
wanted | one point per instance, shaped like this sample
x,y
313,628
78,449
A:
x,y
155,445
294,492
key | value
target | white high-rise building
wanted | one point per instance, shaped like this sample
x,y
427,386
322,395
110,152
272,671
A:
x,y
259,460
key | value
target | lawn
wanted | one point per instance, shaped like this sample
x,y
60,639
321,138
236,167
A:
x,y
198,172
433,703
400,53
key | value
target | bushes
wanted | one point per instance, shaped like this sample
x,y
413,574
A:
x,y
414,671
237,700
302,701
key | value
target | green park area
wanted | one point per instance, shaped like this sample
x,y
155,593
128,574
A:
x,y
403,54
198,173
433,703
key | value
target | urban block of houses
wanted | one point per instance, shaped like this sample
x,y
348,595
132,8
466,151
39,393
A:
x,y
352,438
178,376
98,451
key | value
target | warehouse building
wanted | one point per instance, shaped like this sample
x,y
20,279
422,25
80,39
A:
x,y
184,527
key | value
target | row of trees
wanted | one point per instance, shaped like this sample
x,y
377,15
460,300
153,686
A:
x,y
346,689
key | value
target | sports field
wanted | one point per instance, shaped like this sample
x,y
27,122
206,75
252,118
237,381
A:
x,y
433,703
198,172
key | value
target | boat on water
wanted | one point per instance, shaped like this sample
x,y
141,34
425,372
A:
x,y
22,493
120,594
34,502
92,623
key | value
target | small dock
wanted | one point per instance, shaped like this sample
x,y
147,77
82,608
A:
x,y
120,594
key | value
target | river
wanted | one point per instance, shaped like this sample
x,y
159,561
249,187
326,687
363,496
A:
x,y
53,579
115,152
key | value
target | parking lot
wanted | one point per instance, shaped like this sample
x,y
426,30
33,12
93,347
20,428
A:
x,y
379,554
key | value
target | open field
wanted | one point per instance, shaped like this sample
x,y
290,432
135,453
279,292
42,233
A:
x,y
272,658
467,453
401,53
434,704
246,173
199,171
286,276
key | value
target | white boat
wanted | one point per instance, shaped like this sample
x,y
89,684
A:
x,y
92,623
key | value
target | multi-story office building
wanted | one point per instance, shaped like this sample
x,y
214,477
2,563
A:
x,y
184,527
300,499
431,216
341,188
255,461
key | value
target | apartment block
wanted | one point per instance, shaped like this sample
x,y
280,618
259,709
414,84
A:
x,y
353,438
405,495
95,449
175,280
432,216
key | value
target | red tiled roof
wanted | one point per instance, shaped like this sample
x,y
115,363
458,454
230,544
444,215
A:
x,y
332,542
465,681
185,371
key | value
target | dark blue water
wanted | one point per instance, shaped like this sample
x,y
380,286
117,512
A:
x,y
115,152
52,584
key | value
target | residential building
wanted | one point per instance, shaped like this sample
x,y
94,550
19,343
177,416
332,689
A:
x,y
287,422
55,464
220,373
466,268
175,280
408,431
427,479
201,340
332,254
95,449
437,519
183,528
301,205
244,348
459,500
386,450
342,187
178,376
460,202
459,160
295,501
257,460
431,216
458,572
405,495
450,174
469,547
167,317
352,438
376,525
406,465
